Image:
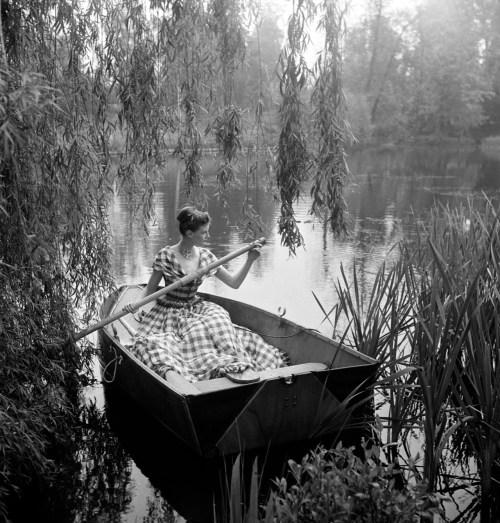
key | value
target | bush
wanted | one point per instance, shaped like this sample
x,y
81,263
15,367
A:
x,y
336,485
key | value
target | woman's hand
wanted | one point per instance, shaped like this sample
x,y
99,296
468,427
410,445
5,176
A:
x,y
234,280
130,308
254,253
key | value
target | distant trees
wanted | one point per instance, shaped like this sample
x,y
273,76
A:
x,y
431,72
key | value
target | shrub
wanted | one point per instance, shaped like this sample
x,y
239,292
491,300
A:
x,y
336,485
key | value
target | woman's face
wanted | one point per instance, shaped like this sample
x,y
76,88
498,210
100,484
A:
x,y
200,236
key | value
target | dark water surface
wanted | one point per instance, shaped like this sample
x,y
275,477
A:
x,y
389,190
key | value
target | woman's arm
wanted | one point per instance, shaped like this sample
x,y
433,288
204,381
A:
x,y
234,280
154,281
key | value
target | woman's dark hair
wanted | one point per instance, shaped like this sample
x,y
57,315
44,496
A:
x,y
190,219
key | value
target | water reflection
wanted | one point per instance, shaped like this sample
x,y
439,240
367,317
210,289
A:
x,y
389,191
190,485
93,483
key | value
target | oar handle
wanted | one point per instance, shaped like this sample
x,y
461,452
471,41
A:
x,y
179,283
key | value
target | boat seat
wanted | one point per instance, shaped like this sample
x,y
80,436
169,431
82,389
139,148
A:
x,y
283,372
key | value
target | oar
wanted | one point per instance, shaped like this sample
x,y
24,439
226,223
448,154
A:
x,y
179,283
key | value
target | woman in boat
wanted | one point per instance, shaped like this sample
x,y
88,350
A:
x,y
188,335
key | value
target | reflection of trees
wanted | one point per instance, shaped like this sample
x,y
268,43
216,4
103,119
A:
x,y
102,487
93,480
182,480
158,509
488,178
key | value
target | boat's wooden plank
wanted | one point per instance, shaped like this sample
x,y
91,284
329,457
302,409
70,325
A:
x,y
181,384
283,372
292,415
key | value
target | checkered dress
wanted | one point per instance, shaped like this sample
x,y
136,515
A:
x,y
195,338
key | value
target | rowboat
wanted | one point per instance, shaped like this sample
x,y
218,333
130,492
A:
x,y
313,397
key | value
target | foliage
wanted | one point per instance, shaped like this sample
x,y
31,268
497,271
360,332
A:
x,y
336,485
430,71
54,254
92,481
332,132
292,157
466,251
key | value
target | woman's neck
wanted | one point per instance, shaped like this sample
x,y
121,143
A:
x,y
186,248
185,244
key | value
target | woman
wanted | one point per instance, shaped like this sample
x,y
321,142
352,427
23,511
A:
x,y
192,337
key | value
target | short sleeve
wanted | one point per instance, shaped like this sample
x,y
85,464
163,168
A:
x,y
160,260
166,263
207,258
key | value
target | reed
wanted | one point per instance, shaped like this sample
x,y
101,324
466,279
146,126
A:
x,y
466,245
378,325
432,320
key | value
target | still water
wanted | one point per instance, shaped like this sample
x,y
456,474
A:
x,y
390,189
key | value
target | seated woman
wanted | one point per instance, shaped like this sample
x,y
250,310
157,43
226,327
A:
x,y
184,333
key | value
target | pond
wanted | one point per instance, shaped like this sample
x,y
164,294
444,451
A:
x,y
390,189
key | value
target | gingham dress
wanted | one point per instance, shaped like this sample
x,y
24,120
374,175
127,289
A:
x,y
196,338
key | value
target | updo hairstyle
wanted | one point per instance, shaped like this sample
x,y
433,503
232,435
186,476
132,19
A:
x,y
190,219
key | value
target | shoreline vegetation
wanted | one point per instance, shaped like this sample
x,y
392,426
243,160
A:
x,y
212,150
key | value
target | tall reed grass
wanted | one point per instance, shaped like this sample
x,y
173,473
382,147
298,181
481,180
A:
x,y
433,321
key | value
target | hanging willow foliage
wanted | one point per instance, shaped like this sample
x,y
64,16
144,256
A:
x,y
54,235
227,126
331,130
292,156
193,61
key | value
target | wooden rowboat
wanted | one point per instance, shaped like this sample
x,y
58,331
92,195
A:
x,y
311,399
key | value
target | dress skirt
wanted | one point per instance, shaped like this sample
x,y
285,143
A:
x,y
198,340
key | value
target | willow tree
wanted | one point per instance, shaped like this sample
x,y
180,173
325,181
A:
x,y
157,78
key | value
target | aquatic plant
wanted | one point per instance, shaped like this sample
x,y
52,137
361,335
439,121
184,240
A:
x,y
432,320
466,255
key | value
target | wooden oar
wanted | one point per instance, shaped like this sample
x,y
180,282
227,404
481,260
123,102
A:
x,y
179,283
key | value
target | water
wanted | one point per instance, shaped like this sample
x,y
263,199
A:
x,y
390,189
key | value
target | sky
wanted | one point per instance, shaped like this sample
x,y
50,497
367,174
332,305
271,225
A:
x,y
358,6
355,13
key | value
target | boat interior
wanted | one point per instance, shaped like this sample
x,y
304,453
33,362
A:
x,y
309,351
